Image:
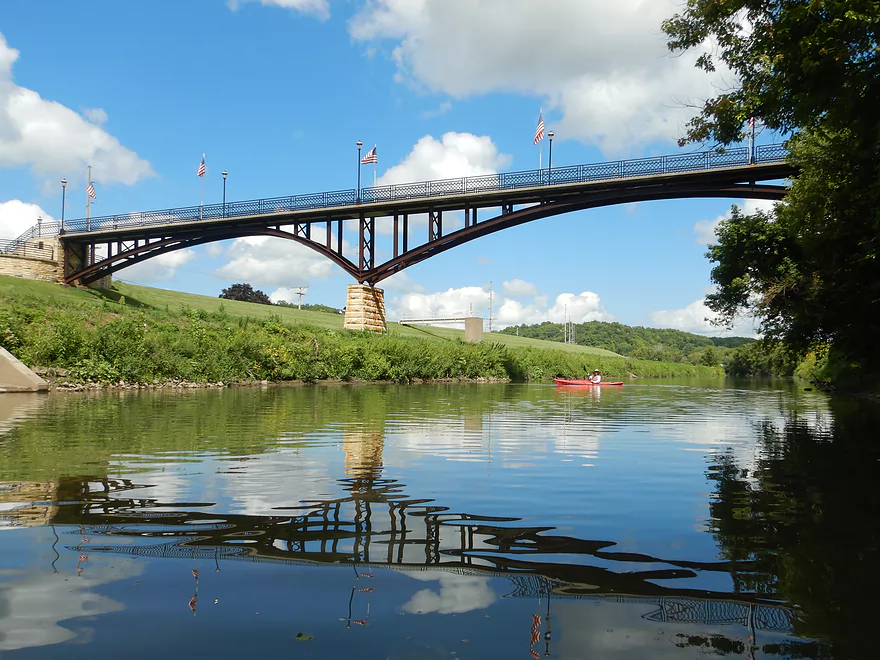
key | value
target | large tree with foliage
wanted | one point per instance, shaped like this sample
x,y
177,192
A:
x,y
245,292
811,68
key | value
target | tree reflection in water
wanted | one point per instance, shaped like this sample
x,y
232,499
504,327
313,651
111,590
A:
x,y
802,526
796,528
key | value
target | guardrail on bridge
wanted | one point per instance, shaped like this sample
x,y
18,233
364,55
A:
x,y
588,173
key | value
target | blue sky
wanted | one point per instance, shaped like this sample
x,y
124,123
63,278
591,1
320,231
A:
x,y
277,92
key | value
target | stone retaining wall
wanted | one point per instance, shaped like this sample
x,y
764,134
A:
x,y
35,268
46,268
365,308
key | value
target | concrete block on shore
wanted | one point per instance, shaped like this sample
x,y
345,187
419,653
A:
x,y
17,377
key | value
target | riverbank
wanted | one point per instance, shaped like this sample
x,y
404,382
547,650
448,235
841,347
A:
x,y
77,337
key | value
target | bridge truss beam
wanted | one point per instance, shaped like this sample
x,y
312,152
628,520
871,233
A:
x,y
323,230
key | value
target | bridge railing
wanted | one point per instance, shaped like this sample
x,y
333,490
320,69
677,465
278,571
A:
x,y
38,231
622,169
33,248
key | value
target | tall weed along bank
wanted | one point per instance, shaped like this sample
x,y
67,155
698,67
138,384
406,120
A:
x,y
108,342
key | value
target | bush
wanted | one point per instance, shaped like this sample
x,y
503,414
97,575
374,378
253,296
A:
x,y
108,342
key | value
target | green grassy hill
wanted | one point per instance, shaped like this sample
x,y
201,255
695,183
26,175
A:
x,y
174,300
135,334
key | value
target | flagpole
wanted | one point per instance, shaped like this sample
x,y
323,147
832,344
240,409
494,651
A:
x,y
540,155
375,166
91,253
202,204
89,203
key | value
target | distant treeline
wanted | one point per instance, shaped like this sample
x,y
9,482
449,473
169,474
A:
x,y
316,307
657,344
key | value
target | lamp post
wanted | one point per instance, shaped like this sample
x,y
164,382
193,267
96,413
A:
x,y
63,201
550,160
359,144
223,174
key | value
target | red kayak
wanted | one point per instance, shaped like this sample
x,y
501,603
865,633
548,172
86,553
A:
x,y
586,383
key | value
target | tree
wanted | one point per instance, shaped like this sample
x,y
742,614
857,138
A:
x,y
809,270
246,293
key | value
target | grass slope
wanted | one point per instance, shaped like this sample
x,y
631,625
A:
x,y
174,300
136,334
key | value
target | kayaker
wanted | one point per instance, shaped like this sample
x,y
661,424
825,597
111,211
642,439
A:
x,y
596,377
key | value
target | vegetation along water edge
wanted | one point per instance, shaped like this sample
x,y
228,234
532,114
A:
x,y
138,335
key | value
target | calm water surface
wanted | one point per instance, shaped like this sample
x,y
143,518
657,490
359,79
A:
x,y
657,520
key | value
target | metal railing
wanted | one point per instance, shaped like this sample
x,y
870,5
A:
x,y
34,248
440,319
38,231
621,169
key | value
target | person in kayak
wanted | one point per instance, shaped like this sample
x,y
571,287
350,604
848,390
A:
x,y
596,377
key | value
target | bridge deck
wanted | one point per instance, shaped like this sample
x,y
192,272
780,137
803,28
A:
x,y
527,187
98,247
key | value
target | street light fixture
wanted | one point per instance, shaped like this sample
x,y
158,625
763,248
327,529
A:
x,y
223,174
359,145
63,200
550,160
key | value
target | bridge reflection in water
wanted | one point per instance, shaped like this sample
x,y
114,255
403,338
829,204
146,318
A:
x,y
375,524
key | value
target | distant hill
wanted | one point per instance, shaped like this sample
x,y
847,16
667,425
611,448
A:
x,y
636,341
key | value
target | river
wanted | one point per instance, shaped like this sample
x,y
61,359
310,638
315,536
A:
x,y
656,520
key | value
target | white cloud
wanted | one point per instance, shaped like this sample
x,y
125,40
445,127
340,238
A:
x,y
577,308
506,311
705,229
454,155
215,249
442,109
17,216
162,267
33,606
96,115
288,294
603,66
402,283
697,318
458,594
53,140
320,8
519,289
452,302
265,261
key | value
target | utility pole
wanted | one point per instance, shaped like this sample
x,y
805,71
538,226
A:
x,y
300,292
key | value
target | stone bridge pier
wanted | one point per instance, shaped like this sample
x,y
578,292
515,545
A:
x,y
365,308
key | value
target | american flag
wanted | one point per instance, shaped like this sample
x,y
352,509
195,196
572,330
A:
x,y
751,122
90,191
536,629
539,131
202,166
371,157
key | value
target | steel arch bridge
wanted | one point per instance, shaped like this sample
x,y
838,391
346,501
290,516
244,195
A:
x,y
345,226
